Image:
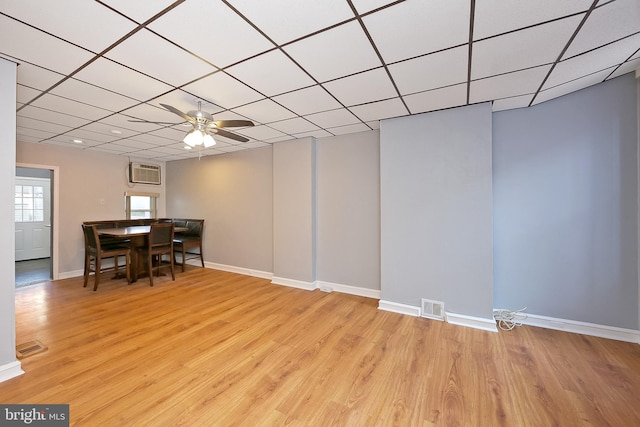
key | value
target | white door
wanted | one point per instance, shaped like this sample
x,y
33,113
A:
x,y
33,218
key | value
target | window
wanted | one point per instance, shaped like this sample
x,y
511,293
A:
x,y
141,205
29,203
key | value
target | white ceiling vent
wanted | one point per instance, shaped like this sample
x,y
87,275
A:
x,y
144,174
432,309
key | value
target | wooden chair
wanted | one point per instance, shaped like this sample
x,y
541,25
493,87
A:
x,y
159,242
95,252
192,238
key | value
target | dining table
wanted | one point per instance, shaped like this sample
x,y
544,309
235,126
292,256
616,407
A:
x,y
137,235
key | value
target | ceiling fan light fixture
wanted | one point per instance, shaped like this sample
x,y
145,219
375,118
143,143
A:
x,y
193,138
208,141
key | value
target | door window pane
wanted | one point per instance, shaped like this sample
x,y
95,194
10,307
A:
x,y
29,203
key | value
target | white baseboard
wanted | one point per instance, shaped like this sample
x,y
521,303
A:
x,y
347,289
395,307
70,274
238,270
576,327
292,283
10,370
453,318
472,322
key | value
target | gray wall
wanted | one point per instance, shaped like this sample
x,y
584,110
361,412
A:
x,y
7,193
565,206
349,210
436,210
233,194
294,210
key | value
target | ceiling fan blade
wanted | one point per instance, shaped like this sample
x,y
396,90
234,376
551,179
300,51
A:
x,y
230,135
174,110
231,123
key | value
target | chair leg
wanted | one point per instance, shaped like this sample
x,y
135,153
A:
x,y
127,260
184,257
173,272
150,268
87,270
201,256
96,273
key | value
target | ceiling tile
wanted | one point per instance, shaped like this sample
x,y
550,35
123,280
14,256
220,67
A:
x,y
255,144
286,20
511,103
374,124
258,74
133,144
572,86
139,11
610,22
261,133
115,132
37,77
334,118
28,44
226,40
363,6
308,100
265,111
522,49
627,67
326,56
493,17
295,125
77,27
31,123
380,110
437,99
431,71
92,95
343,130
361,88
223,90
508,85
111,76
27,134
156,57
26,94
86,135
593,61
319,133
45,115
121,121
413,28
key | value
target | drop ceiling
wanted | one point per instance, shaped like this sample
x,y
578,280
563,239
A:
x,y
295,68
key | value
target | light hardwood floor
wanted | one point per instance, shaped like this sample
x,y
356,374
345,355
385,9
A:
x,y
221,349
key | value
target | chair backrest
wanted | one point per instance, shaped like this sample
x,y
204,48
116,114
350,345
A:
x,y
161,234
194,227
91,236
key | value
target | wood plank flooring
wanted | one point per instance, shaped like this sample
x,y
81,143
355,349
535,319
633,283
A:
x,y
221,349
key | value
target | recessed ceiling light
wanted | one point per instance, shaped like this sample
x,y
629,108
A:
x,y
77,141
116,131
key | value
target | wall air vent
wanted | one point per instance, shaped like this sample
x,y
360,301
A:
x,y
144,174
432,309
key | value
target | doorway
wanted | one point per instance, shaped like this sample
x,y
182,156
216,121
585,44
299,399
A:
x,y
33,225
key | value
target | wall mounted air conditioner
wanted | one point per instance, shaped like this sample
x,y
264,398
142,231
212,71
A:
x,y
144,174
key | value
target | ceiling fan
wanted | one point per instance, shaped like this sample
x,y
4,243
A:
x,y
203,126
